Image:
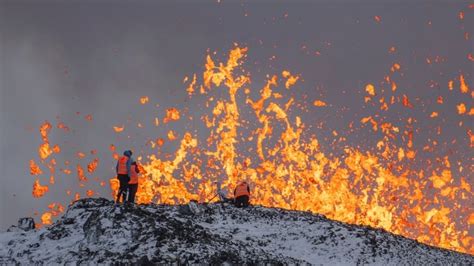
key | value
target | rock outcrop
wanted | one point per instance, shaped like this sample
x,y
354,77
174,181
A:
x,y
97,231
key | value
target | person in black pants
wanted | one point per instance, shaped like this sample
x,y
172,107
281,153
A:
x,y
123,168
133,184
242,201
242,195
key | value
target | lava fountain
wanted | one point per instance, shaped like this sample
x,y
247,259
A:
x,y
288,166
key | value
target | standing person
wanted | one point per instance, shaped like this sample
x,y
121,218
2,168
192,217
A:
x,y
133,184
123,168
242,195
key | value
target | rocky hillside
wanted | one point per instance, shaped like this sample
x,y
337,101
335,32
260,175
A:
x,y
98,231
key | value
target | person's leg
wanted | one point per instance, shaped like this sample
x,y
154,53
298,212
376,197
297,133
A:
x,y
122,188
135,192
245,201
238,202
127,190
118,195
120,192
132,192
124,192
129,193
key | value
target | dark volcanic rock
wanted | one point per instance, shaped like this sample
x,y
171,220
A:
x,y
26,224
97,231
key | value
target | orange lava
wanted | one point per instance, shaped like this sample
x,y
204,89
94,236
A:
x,y
288,168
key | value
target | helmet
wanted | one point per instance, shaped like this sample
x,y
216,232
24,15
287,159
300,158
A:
x,y
128,153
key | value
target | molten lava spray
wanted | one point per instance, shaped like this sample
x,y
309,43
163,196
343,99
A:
x,y
287,165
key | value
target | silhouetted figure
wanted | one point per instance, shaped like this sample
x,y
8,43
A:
x,y
133,184
123,168
242,195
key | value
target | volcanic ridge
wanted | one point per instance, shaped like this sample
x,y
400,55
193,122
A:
x,y
98,231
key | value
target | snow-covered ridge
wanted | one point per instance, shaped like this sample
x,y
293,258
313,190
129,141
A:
x,y
96,231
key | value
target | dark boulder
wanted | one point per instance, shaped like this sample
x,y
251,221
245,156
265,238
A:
x,y
26,223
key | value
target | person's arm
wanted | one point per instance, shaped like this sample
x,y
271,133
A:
x,y
116,167
248,188
137,169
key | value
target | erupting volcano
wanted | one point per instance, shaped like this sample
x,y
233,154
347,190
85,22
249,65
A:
x,y
258,134
351,117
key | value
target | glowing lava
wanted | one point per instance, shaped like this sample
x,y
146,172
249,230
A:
x,y
288,168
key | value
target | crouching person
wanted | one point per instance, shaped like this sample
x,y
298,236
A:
x,y
133,184
242,195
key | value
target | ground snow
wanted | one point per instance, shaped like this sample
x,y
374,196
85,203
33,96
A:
x,y
98,231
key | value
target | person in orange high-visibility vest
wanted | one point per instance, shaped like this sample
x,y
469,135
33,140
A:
x,y
133,184
123,168
242,195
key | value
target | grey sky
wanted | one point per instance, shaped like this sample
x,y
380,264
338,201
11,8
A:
x,y
99,57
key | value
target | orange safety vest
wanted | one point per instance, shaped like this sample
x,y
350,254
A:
x,y
122,166
133,175
241,190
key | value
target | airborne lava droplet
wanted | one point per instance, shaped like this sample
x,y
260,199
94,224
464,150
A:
x,y
119,128
38,189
